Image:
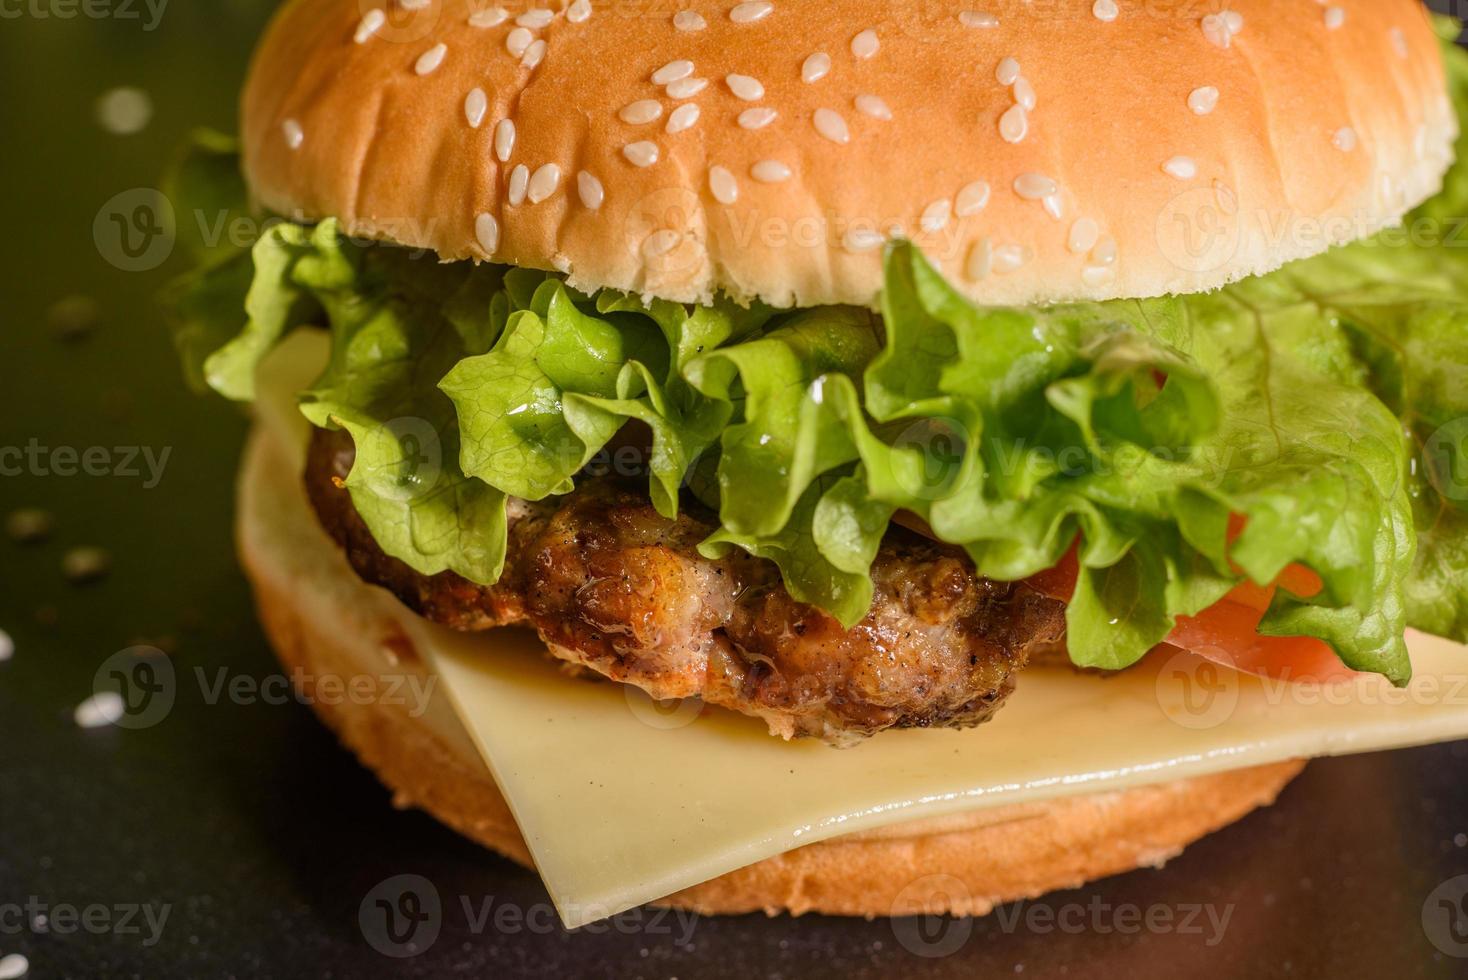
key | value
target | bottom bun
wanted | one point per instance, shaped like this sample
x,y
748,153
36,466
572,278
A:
x,y
324,622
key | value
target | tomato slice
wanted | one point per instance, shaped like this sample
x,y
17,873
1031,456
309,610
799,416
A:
x,y
1228,631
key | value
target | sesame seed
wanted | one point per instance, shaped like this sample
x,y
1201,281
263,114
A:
x,y
1033,187
7,646
980,260
1399,41
723,185
977,18
519,184
686,88
535,19
504,139
1334,18
689,20
578,11
294,135
861,240
487,231
1096,275
1053,206
1014,124
660,243
1203,100
1234,20
100,710
14,966
874,106
865,44
490,17
745,87
1344,139
757,118
543,182
1083,235
414,4
770,172
816,67
682,117
589,189
672,71
748,13
429,60
1228,202
1390,192
935,216
1105,251
1007,71
370,24
1024,93
1105,10
1183,168
1009,258
830,125
534,54
476,104
643,153
517,41
640,112
1215,29
971,199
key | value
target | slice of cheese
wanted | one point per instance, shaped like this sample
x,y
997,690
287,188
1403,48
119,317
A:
x,y
622,800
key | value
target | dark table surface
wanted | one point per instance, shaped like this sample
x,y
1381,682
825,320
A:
x,y
235,838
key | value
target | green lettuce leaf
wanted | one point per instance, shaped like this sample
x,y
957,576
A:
x,y
1180,446
398,324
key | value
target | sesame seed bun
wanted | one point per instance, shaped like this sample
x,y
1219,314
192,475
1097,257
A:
x,y
325,623
1128,150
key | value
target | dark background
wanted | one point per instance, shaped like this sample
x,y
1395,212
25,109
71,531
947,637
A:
x,y
261,837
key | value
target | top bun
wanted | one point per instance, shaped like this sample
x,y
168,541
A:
x,y
1036,151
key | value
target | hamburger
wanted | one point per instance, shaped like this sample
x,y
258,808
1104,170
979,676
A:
x,y
831,364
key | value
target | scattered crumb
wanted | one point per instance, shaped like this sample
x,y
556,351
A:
x,y
82,565
73,317
28,525
14,966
